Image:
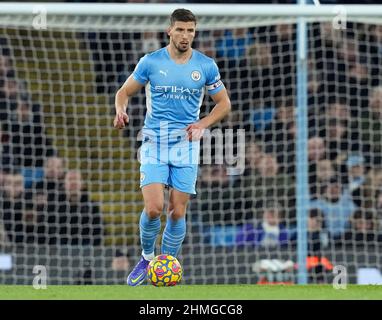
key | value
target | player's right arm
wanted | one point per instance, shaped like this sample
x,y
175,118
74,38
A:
x,y
122,97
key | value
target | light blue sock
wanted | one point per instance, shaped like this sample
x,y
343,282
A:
x,y
173,236
149,230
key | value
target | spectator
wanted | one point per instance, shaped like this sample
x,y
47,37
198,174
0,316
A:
x,y
324,170
5,66
358,73
316,152
2,180
356,171
33,224
338,110
5,157
329,36
316,149
11,85
375,52
52,185
279,137
263,117
283,52
213,199
285,32
28,130
48,194
348,51
260,74
13,88
254,154
8,96
315,85
327,120
259,55
366,195
318,239
336,203
79,219
270,232
340,140
206,48
14,201
217,207
28,144
371,128
233,44
363,229
267,183
359,84
3,234
231,55
149,42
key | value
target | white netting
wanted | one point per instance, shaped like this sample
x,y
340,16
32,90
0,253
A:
x,y
56,104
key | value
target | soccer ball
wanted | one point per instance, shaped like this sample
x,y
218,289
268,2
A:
x,y
164,271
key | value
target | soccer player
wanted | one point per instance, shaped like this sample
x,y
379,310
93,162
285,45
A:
x,y
175,78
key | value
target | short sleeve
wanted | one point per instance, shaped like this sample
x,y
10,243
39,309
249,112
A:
x,y
141,70
213,81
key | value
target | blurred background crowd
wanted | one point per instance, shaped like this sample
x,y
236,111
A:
x,y
44,202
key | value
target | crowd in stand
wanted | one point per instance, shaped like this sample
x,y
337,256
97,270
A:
x,y
344,153
258,66
43,202
40,201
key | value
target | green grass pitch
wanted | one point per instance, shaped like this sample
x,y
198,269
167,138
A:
x,y
191,292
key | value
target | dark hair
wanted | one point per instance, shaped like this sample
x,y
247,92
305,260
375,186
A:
x,y
183,15
332,180
315,213
335,122
363,214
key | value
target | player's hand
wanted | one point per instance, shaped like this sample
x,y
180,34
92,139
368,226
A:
x,y
120,120
195,131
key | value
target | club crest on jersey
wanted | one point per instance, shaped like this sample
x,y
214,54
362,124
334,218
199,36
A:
x,y
195,75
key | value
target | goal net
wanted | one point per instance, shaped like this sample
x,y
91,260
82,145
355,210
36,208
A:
x,y
70,197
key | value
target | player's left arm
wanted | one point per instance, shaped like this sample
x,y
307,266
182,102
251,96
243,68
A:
x,y
222,108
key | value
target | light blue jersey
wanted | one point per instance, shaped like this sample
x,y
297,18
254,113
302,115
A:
x,y
174,94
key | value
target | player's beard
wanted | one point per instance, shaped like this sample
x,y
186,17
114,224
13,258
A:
x,y
181,48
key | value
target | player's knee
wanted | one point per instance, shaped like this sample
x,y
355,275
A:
x,y
177,213
154,211
170,209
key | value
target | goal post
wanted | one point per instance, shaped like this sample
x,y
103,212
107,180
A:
x,y
292,72
302,180
210,16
